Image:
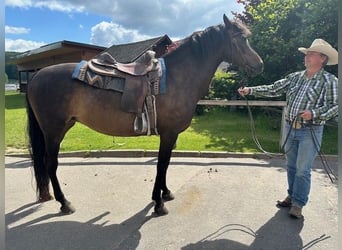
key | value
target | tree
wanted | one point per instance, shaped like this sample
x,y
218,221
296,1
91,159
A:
x,y
279,27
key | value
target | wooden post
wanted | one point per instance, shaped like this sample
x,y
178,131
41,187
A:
x,y
282,128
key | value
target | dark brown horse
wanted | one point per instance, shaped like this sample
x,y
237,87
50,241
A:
x,y
56,102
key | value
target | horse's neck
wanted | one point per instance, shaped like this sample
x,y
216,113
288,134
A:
x,y
198,64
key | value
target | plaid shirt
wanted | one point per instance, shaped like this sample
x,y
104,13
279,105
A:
x,y
318,94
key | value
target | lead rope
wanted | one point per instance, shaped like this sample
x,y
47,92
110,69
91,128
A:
x,y
332,176
252,124
253,132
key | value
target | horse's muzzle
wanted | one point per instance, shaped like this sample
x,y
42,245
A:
x,y
255,69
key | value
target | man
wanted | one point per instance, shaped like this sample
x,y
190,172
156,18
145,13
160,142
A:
x,y
311,97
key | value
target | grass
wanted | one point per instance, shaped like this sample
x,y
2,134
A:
x,y
217,130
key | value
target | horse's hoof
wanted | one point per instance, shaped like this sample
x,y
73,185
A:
x,y
168,196
160,210
67,208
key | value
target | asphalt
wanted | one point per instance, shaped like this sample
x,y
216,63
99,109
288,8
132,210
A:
x,y
223,202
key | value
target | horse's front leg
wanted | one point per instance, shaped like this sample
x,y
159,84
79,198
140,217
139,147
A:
x,y
160,191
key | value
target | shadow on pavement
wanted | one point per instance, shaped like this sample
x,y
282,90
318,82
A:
x,y
37,234
279,232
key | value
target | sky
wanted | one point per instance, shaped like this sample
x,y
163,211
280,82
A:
x,y
30,24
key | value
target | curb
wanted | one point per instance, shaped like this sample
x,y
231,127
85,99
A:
x,y
153,153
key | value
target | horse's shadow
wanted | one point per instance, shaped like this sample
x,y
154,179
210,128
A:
x,y
37,234
280,232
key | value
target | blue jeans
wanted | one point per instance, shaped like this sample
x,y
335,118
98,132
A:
x,y
301,149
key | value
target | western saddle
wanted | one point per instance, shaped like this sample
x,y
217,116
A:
x,y
139,77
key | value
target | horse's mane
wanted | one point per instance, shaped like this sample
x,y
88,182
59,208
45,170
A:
x,y
195,41
242,27
200,41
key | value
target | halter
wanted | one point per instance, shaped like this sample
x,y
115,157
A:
x,y
233,44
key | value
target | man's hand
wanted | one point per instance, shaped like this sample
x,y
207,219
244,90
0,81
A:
x,y
306,115
244,91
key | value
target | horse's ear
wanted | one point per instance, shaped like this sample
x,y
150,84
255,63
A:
x,y
227,22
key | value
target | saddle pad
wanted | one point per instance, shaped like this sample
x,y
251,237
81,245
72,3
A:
x,y
133,89
84,74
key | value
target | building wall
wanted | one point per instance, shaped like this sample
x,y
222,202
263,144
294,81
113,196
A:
x,y
27,69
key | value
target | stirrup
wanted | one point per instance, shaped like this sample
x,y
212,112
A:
x,y
140,124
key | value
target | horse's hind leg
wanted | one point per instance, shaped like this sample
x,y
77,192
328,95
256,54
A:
x,y
165,149
51,162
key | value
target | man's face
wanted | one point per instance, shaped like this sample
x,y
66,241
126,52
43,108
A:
x,y
314,59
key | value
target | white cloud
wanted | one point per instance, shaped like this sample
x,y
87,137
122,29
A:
x,y
136,20
57,5
106,34
18,3
152,18
20,45
173,17
16,30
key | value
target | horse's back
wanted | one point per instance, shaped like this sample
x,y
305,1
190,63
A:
x,y
51,85
55,96
52,75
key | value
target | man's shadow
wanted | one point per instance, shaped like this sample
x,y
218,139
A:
x,y
37,234
280,232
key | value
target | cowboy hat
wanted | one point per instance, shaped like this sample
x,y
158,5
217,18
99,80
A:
x,y
321,46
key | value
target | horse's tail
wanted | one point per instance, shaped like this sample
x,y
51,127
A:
x,y
37,149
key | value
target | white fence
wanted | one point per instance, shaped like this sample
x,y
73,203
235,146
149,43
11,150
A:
x,y
11,86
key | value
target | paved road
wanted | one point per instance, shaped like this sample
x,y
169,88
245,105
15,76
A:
x,y
221,203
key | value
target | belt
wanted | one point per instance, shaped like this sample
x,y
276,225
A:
x,y
298,125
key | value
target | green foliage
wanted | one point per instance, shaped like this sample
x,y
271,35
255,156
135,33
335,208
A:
x,y
223,85
319,20
279,27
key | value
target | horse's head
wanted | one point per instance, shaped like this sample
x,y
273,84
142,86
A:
x,y
241,54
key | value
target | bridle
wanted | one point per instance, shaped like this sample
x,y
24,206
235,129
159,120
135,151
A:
x,y
233,45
